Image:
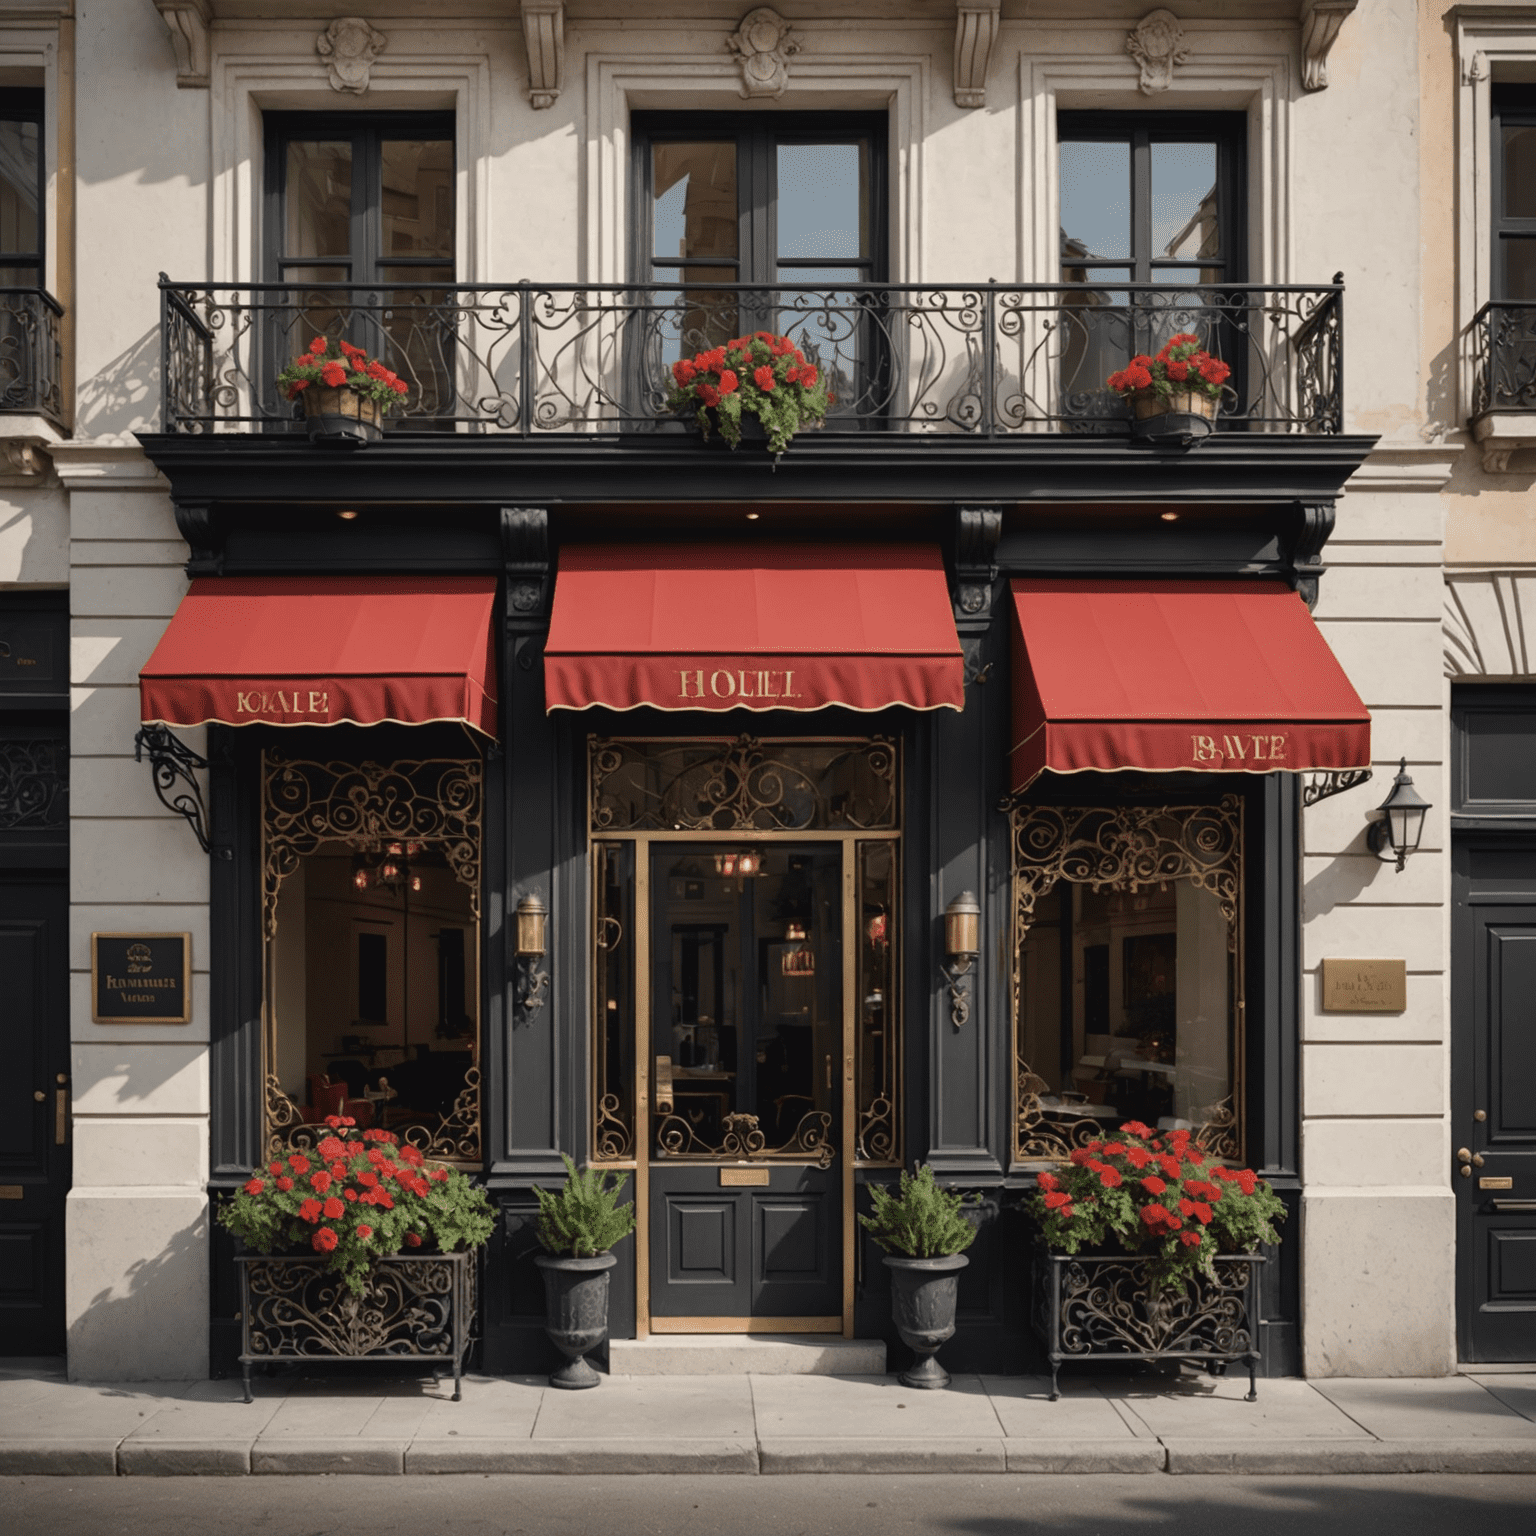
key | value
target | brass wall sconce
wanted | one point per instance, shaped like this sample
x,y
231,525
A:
x,y
532,932
962,944
1398,822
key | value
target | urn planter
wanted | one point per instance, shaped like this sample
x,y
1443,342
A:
x,y
576,1313
342,416
1091,1306
923,1293
1184,418
416,1307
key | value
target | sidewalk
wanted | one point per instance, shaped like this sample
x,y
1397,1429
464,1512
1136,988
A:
x,y
761,1424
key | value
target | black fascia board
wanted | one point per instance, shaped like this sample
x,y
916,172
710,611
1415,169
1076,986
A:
x,y
1249,468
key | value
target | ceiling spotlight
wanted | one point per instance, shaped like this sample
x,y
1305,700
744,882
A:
x,y
347,516
752,517
1169,517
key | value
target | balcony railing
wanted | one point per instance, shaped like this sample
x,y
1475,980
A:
x,y
1504,357
31,355
981,361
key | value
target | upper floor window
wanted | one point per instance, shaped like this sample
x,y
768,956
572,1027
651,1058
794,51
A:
x,y
1513,265
21,189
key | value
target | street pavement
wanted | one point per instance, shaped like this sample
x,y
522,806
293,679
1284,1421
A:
x,y
763,1424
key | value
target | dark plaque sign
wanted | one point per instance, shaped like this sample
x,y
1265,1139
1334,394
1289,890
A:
x,y
141,978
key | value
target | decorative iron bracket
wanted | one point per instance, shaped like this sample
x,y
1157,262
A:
x,y
171,762
959,1002
532,984
1320,785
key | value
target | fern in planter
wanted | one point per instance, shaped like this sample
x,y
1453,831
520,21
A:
x,y
584,1218
920,1220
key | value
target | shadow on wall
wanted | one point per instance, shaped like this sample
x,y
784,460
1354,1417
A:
x,y
1339,882
150,1323
124,396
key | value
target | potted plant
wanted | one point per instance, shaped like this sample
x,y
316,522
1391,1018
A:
x,y
578,1226
923,1229
345,392
361,1250
1175,395
760,379
1149,1252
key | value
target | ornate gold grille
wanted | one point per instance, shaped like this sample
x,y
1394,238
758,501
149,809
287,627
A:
x,y
744,785
1122,848
363,806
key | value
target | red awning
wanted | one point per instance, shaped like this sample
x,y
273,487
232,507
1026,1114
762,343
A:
x,y
730,626
1217,676
326,650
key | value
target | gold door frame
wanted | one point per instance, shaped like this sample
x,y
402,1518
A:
x,y
641,842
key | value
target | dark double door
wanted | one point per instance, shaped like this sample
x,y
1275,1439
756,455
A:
x,y
746,1130
34,1109
1493,1126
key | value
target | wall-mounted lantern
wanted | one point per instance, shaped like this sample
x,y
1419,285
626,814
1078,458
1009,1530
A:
x,y
532,936
1398,822
962,944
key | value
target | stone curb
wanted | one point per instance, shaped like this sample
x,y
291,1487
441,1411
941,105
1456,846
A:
x,y
584,1457
1314,1457
58,1458
888,1456
183,1458
1082,1456
352,1454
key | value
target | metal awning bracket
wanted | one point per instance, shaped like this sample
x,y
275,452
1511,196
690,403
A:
x,y
171,764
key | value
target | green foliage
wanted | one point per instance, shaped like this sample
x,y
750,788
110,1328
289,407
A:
x,y
921,1220
761,375
584,1219
1158,1195
354,1199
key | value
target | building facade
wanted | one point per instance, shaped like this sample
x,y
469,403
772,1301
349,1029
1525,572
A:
x,y
545,778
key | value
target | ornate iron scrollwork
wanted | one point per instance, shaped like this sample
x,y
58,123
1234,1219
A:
x,y
742,1137
171,762
1121,848
1319,786
34,784
745,785
435,801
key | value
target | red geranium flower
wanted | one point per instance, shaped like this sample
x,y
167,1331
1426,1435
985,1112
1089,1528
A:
x,y
285,1184
728,382
324,1240
299,1163
808,376
1153,1185
1058,1198
1135,1127
334,375
318,345
413,1240
351,1194
1048,1181
274,1168
333,1209
310,1211
364,1231
254,1186
763,377
1110,1176
1190,1239
709,395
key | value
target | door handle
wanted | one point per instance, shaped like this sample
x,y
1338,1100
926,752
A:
x,y
1513,1205
663,1085
61,1112
1467,1158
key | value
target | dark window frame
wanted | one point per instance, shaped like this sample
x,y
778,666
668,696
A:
x,y
758,134
25,104
1229,132
367,132
1512,106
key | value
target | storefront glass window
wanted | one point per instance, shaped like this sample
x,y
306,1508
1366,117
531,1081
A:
x,y
1127,973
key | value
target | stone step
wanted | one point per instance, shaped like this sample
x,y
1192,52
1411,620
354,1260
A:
x,y
746,1354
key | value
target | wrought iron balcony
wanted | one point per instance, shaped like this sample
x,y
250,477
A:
x,y
984,361
31,355
1504,354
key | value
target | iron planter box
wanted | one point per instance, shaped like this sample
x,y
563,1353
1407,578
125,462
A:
x,y
416,1307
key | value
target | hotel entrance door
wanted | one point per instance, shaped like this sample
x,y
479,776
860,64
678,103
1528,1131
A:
x,y
750,1038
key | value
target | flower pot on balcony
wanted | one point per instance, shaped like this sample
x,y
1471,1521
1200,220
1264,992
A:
x,y
341,416
923,1294
576,1312
1184,417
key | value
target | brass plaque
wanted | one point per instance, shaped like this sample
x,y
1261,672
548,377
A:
x,y
1365,986
11,1192
141,978
741,1178
1491,1183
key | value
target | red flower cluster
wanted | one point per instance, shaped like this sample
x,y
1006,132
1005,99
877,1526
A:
x,y
1182,362
345,367
756,370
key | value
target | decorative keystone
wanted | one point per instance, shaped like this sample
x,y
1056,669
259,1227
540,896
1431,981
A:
x,y
349,46
1157,44
763,44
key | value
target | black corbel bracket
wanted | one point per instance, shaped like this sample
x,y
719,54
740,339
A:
x,y
170,764
959,1003
1320,785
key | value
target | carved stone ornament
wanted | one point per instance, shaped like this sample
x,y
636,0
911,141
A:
x,y
349,46
1157,44
763,44
1320,23
544,37
187,23
976,26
